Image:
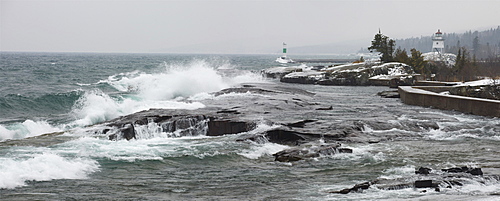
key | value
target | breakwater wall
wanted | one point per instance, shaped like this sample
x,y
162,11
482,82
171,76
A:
x,y
427,98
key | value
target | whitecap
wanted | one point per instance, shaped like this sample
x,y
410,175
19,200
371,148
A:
x,y
28,128
43,167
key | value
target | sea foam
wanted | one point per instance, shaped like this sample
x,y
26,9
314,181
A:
x,y
43,167
167,89
28,128
175,81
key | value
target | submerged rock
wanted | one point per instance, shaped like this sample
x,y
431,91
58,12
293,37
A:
x,y
355,188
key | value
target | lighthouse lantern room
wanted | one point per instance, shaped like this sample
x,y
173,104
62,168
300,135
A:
x,y
438,42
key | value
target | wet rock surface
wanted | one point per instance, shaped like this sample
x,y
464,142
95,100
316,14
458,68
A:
x,y
301,117
389,94
427,178
304,152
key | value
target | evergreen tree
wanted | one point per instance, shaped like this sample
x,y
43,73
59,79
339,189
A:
x,y
475,45
417,61
458,59
400,55
462,59
384,45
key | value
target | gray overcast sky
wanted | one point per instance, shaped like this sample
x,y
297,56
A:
x,y
227,26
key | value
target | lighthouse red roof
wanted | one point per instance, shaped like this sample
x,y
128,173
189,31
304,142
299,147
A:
x,y
439,32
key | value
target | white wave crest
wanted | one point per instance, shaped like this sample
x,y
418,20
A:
x,y
43,167
28,128
167,89
96,106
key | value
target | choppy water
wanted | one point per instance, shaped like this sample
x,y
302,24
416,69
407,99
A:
x,y
50,92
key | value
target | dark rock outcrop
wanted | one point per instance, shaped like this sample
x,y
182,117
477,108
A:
x,y
355,188
424,184
126,131
423,170
389,94
472,171
177,122
299,153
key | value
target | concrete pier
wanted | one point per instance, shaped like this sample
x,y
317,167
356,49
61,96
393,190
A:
x,y
478,106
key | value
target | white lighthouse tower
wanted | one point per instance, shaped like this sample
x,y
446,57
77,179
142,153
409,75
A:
x,y
438,42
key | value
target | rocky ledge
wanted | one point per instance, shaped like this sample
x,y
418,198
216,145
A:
x,y
354,74
485,91
427,178
299,119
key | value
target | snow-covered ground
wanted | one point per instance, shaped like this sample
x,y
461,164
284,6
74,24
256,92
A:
x,y
486,81
448,58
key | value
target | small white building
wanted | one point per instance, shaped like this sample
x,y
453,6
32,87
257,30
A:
x,y
438,42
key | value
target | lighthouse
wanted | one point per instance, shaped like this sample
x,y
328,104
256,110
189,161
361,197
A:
x,y
438,42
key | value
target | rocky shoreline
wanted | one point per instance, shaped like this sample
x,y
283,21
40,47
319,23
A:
x,y
355,74
299,119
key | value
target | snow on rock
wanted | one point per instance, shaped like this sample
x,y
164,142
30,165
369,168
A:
x,y
448,58
483,82
353,74
304,77
343,67
279,72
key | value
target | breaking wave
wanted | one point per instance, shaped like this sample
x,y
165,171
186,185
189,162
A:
x,y
43,167
121,94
